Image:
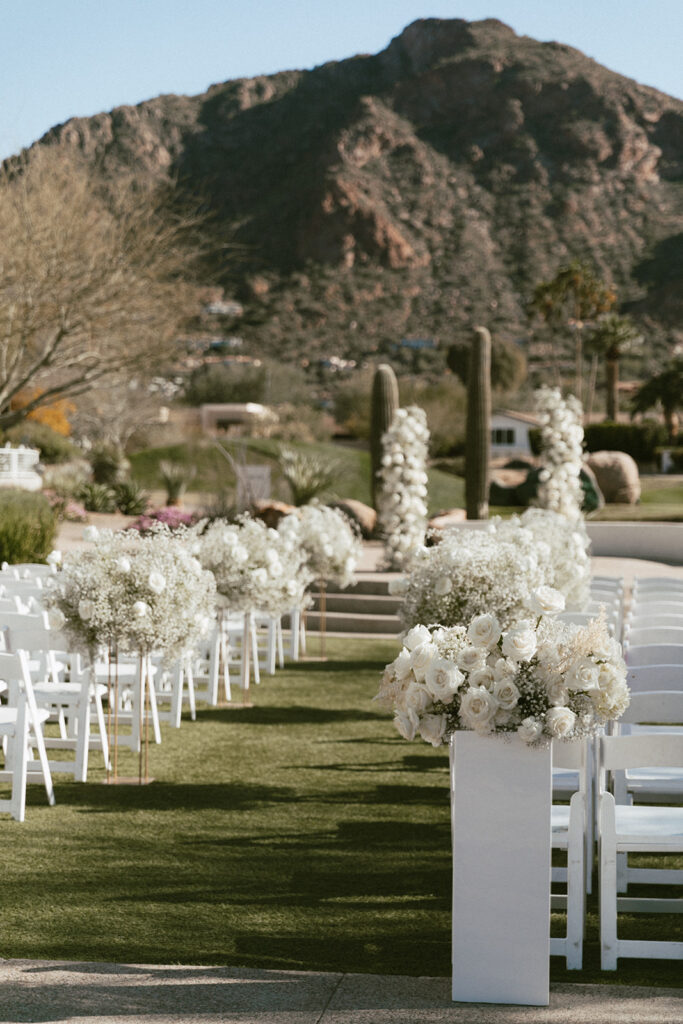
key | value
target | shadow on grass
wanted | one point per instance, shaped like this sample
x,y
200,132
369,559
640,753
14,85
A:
x,y
290,715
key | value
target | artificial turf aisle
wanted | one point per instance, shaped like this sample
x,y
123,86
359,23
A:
x,y
299,833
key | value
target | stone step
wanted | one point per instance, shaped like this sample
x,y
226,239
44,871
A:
x,y
358,603
366,583
351,623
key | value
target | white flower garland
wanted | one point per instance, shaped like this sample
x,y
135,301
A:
x,y
142,594
402,512
541,679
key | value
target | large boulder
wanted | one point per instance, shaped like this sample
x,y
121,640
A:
x,y
361,515
617,476
272,511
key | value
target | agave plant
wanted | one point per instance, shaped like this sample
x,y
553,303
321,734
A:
x,y
176,477
307,475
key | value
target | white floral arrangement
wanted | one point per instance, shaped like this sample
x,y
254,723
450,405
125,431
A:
x,y
468,572
561,452
402,511
329,545
141,594
540,678
568,561
256,568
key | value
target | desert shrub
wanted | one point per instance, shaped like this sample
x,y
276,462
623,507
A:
x,y
54,447
27,526
109,464
131,499
639,440
67,480
298,423
98,497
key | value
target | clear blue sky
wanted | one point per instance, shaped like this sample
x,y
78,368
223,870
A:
x,y
66,58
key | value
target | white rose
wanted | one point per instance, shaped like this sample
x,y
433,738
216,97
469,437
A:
x,y
506,693
421,657
415,697
140,609
557,690
477,708
156,582
86,609
54,558
56,618
504,670
547,601
123,564
560,722
260,577
482,677
239,554
443,586
406,722
442,679
520,644
416,636
484,631
471,658
582,675
398,587
530,730
401,666
91,533
433,729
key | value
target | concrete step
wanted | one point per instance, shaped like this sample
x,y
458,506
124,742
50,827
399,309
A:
x,y
358,604
366,583
351,623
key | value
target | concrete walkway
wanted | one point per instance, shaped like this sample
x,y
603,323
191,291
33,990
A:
x,y
92,993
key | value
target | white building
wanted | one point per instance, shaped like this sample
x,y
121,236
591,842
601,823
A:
x,y
510,433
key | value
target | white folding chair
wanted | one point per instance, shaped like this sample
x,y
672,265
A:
x,y
654,712
654,608
646,678
653,654
615,583
173,687
640,635
649,583
74,703
569,829
24,722
634,828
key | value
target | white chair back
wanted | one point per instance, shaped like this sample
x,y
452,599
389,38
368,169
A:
x,y
654,654
646,678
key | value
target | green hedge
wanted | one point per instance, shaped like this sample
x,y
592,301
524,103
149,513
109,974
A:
x,y
27,527
54,447
640,440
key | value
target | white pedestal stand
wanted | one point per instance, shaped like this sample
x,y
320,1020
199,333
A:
x,y
500,812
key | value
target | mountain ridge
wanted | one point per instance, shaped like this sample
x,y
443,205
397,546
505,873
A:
x,y
419,190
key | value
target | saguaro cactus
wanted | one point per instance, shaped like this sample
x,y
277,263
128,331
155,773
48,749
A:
x,y
477,437
383,408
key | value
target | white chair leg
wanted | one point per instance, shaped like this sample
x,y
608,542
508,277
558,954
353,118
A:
x,y
18,749
82,739
177,687
189,676
280,644
576,884
608,886
102,726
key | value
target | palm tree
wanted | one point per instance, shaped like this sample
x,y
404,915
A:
x,y
612,337
665,389
574,296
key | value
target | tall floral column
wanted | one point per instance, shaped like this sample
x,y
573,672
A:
x,y
402,505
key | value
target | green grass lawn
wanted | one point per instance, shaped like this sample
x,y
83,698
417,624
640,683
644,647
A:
x,y
214,474
299,833
662,497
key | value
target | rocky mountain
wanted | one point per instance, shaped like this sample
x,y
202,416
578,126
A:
x,y
419,191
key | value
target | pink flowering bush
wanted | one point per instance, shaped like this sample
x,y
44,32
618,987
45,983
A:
x,y
171,516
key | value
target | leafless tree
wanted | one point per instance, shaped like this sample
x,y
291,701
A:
x,y
91,282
